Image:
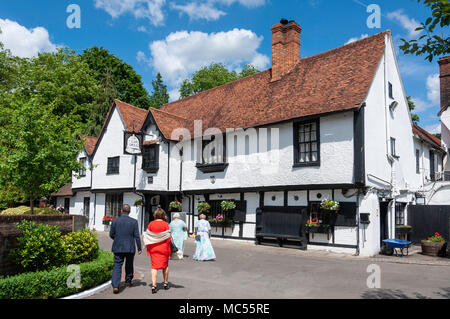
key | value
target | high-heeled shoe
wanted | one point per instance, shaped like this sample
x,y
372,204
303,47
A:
x,y
166,286
154,290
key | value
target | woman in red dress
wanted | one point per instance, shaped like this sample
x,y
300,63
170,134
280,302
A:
x,y
159,252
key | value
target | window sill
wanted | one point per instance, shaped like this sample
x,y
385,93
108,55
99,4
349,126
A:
x,y
212,168
314,164
151,170
112,173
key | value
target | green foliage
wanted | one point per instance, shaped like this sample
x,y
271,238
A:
x,y
210,77
227,205
175,206
39,247
128,83
81,246
25,210
9,195
103,102
160,95
53,283
435,43
415,118
203,208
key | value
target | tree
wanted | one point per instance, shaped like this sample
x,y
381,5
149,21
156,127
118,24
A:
x,y
210,77
160,95
435,44
61,80
415,118
38,149
99,109
128,83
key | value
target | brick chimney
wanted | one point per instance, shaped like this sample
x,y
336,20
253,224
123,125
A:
x,y
444,65
285,48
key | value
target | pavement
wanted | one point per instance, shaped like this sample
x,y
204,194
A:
x,y
244,270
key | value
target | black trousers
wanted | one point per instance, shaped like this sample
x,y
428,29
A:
x,y
119,259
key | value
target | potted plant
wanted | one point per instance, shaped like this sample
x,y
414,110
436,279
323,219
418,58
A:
x,y
203,208
221,221
107,220
175,206
139,202
312,226
433,245
228,206
330,205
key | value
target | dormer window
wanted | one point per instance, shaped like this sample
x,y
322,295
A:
x,y
150,158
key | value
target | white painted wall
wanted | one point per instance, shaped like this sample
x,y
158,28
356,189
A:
x,y
82,182
111,145
252,169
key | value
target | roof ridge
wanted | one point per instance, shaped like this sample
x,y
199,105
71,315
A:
x,y
214,88
151,109
131,105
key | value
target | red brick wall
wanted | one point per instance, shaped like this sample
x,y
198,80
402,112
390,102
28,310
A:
x,y
285,48
9,234
444,64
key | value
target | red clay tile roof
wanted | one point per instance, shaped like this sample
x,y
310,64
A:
x,y
333,81
89,144
132,116
430,138
151,142
66,190
168,122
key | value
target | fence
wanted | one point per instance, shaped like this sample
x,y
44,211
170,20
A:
x,y
427,220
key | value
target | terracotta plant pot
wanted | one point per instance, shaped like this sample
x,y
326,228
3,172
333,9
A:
x,y
432,249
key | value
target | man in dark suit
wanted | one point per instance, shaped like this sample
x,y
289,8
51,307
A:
x,y
125,233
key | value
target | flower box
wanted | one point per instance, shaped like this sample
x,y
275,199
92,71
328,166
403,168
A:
x,y
432,249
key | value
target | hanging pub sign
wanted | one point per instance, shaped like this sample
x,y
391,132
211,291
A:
x,y
132,143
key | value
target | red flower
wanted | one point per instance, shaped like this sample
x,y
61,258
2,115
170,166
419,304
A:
x,y
437,234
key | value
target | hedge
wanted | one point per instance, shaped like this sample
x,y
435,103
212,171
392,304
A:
x,y
53,283
25,210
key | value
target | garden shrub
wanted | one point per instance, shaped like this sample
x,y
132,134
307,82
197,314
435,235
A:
x,y
81,246
25,210
53,283
39,247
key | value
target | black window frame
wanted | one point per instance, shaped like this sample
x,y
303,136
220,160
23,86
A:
x,y
417,161
113,204
113,169
148,164
400,214
391,90
394,147
82,171
297,147
212,167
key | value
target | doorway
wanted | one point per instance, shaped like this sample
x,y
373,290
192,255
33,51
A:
x,y
384,223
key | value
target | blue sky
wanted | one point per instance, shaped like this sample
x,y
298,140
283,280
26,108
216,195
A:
x,y
176,37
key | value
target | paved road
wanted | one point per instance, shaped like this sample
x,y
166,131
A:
x,y
246,271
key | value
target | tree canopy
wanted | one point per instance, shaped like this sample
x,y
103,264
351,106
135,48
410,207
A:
x,y
415,118
210,77
127,82
160,95
435,42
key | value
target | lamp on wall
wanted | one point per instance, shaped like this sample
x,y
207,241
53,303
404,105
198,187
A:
x,y
393,106
213,179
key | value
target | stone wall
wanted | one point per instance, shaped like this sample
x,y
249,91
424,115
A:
x,y
9,234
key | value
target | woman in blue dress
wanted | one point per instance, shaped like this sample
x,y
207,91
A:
x,y
179,232
204,250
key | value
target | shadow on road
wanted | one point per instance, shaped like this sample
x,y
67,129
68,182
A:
x,y
399,294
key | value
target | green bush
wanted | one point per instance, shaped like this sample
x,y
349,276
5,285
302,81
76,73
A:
x,y
53,283
25,210
81,246
39,247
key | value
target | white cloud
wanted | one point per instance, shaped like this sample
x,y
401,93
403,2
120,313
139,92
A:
x,y
246,3
197,11
406,22
433,129
421,105
433,89
148,9
356,39
182,53
23,42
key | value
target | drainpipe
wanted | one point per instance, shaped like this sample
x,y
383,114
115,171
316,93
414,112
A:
x,y
357,223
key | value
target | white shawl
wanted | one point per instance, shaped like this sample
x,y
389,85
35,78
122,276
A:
x,y
152,238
